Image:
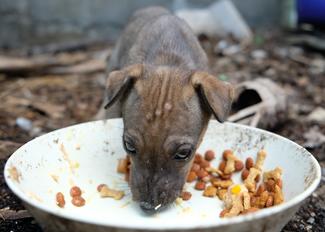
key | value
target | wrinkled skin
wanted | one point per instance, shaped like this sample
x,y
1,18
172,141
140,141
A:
x,y
159,83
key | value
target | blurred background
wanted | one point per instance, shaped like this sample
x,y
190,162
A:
x,y
53,58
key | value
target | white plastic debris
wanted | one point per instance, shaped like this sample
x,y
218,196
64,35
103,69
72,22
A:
x,y
219,19
24,123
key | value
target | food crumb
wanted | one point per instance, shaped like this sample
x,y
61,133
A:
x,y
14,173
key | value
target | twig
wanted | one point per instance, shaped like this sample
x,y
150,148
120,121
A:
x,y
8,214
245,112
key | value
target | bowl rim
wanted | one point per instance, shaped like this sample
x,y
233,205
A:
x,y
225,221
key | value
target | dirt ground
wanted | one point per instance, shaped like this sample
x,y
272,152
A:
x,y
67,87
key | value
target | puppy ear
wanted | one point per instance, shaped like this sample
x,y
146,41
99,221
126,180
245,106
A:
x,y
119,82
216,95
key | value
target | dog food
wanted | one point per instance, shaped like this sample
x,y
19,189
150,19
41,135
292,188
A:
x,y
186,195
75,191
239,199
60,200
105,191
78,201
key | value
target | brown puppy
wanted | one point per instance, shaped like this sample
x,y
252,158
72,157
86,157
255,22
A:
x,y
166,96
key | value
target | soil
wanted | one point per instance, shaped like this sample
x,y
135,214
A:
x,y
72,98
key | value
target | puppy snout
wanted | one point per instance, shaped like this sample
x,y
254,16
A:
x,y
148,207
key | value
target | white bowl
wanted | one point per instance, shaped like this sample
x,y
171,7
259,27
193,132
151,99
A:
x,y
91,152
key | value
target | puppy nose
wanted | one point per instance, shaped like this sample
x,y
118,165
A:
x,y
147,207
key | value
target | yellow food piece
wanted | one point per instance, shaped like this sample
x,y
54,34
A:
x,y
236,189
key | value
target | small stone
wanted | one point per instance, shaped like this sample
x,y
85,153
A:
x,y
311,220
317,115
259,54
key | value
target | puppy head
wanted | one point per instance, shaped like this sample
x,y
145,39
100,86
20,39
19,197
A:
x,y
165,113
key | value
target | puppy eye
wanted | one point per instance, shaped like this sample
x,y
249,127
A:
x,y
129,147
183,154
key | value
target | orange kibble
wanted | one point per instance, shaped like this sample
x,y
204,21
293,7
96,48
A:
x,y
244,174
204,164
238,165
249,163
78,201
200,185
202,173
222,165
226,153
122,166
191,176
197,158
186,196
209,155
195,167
60,200
225,176
75,191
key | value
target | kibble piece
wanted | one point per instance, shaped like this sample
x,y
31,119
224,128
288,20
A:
x,y
210,191
206,179
222,193
273,174
223,213
250,180
250,210
222,183
75,191
269,201
262,199
222,165
226,153
261,155
197,158
204,164
186,196
230,164
246,200
254,201
105,191
78,201
99,187
209,155
200,185
278,195
244,174
270,185
60,200
260,189
278,182
238,165
202,173
122,166
195,167
236,209
225,176
249,163
191,176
